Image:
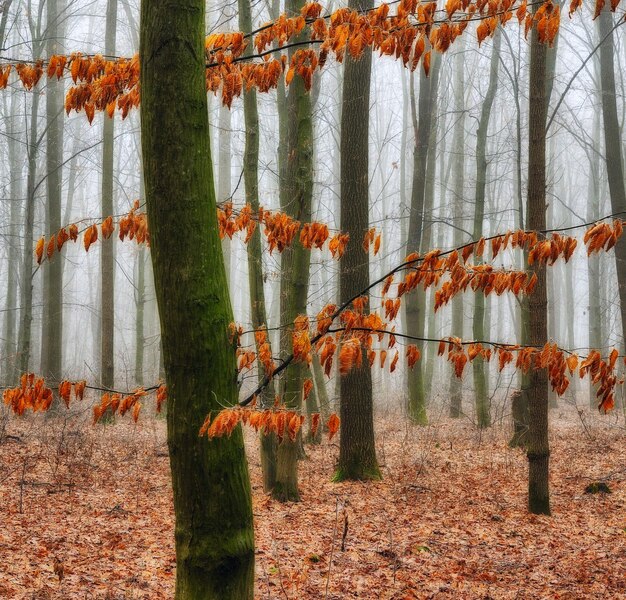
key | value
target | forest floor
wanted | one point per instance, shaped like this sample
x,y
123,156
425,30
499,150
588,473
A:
x,y
447,521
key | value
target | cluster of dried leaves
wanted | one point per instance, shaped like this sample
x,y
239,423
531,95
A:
x,y
133,225
279,420
116,403
281,230
410,34
33,394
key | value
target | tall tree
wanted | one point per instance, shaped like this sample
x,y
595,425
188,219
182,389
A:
x,y
456,399
593,262
140,303
16,165
107,264
224,168
415,302
357,450
258,312
537,446
481,387
52,333
35,21
613,146
296,259
212,500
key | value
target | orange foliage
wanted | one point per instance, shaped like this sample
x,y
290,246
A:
x,y
278,421
279,228
134,226
410,35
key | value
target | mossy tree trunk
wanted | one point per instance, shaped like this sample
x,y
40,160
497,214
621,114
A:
x,y
357,448
212,501
537,443
258,312
107,258
481,387
52,330
613,146
298,194
456,398
430,351
415,301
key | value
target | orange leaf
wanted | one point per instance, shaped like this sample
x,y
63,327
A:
x,y
332,426
39,249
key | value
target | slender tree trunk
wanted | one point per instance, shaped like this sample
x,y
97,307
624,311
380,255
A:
x,y
52,331
14,274
430,358
593,262
295,260
456,401
255,258
320,388
537,447
415,301
481,385
211,489
140,295
613,147
107,268
357,448
26,292
224,170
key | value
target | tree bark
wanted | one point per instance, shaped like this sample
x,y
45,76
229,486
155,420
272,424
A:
x,y
298,193
14,272
613,147
481,387
537,447
258,312
357,447
140,302
224,169
26,292
456,398
52,330
593,262
415,301
212,500
107,259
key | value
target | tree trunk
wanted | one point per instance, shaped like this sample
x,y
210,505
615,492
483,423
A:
x,y
415,301
140,302
258,313
26,292
613,147
14,273
212,500
481,386
429,357
298,192
52,330
224,170
456,399
107,269
537,447
357,448
593,262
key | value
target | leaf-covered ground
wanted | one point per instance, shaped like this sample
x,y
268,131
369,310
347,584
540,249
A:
x,y
447,521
